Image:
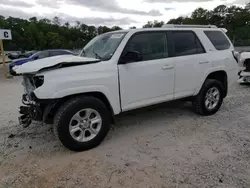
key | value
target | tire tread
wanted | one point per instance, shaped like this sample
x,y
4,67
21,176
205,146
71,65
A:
x,y
59,114
198,100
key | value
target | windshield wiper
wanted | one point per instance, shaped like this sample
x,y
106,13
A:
x,y
97,55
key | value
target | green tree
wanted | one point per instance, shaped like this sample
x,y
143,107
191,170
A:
x,y
56,20
153,24
67,24
53,40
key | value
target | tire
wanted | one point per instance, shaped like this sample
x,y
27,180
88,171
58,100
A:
x,y
67,112
199,105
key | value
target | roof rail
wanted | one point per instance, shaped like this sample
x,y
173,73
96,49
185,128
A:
x,y
188,26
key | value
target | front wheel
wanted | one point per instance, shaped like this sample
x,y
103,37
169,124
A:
x,y
210,98
82,123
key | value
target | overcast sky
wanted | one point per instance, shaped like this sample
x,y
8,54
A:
x,y
124,13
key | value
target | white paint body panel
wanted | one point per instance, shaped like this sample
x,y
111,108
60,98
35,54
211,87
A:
x,y
98,77
133,85
188,73
146,83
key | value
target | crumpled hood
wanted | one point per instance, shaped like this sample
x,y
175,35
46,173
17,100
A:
x,y
69,60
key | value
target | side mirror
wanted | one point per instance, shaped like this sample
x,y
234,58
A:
x,y
36,57
130,56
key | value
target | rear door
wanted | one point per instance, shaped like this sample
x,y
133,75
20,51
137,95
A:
x,y
149,80
190,60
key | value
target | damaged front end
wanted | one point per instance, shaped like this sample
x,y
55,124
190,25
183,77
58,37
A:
x,y
43,108
31,109
244,74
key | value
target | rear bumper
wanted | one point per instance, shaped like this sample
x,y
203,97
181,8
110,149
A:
x,y
244,74
244,77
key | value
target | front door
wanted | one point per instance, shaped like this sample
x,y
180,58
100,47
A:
x,y
149,80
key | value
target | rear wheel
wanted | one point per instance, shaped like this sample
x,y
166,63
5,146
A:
x,y
209,99
82,123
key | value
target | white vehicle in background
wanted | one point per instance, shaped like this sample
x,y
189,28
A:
x,y
244,63
125,70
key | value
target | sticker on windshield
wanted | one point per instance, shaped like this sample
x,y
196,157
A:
x,y
116,36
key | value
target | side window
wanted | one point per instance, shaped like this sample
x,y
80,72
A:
x,y
150,45
186,43
218,39
55,53
43,54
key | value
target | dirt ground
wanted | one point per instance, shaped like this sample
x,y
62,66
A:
x,y
160,147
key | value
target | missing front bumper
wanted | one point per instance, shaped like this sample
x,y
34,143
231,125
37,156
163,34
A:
x,y
31,111
25,119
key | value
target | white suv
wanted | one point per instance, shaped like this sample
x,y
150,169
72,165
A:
x,y
125,70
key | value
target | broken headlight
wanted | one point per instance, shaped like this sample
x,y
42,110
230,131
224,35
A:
x,y
38,81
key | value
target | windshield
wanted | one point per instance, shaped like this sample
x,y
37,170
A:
x,y
103,46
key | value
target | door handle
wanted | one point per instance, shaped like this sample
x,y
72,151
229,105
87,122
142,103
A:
x,y
167,67
203,62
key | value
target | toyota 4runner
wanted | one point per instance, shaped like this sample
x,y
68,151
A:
x,y
124,70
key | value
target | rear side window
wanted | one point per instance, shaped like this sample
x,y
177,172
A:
x,y
151,45
186,43
218,39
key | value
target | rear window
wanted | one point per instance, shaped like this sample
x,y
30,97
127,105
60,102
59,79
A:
x,y
218,39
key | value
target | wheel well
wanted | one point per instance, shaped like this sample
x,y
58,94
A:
x,y
103,98
221,76
58,103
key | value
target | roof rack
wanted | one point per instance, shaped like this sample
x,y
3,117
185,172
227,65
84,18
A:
x,y
188,26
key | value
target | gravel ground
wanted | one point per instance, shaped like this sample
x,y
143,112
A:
x,y
163,146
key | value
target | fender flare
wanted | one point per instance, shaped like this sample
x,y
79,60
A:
x,y
207,73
